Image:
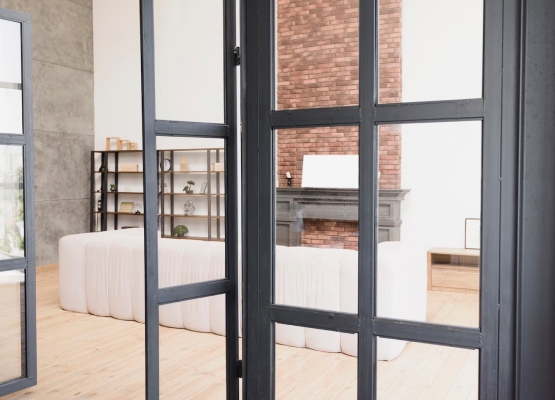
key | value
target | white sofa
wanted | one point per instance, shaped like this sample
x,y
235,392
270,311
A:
x,y
102,274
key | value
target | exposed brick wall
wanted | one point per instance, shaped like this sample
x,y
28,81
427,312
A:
x,y
390,64
318,66
317,46
327,234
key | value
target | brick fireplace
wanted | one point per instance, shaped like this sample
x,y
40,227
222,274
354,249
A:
x,y
318,66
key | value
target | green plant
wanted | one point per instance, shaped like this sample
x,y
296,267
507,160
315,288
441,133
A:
x,y
113,187
180,231
189,186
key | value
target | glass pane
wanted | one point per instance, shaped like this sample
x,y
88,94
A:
x,y
317,218
193,349
12,229
429,222
317,54
11,114
315,364
192,214
12,312
189,42
430,50
410,370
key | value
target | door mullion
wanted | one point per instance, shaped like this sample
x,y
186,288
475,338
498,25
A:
x,y
231,181
150,185
368,167
491,198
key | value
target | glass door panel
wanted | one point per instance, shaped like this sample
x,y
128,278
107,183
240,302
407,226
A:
x,y
190,68
316,224
429,222
11,95
12,334
317,54
12,223
412,370
18,368
430,50
191,188
315,364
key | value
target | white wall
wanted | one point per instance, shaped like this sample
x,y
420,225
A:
x,y
441,165
189,82
442,49
441,162
189,65
117,66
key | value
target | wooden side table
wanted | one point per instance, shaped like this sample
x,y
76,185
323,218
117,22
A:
x,y
454,270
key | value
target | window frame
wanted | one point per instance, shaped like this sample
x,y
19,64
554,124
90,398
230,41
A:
x,y
499,199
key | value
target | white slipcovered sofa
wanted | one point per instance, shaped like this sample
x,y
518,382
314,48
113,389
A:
x,y
102,274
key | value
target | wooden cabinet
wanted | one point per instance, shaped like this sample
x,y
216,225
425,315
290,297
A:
x,y
454,270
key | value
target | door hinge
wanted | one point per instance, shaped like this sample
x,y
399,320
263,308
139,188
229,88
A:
x,y
237,55
239,368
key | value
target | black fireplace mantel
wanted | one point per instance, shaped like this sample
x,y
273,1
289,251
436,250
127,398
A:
x,y
293,205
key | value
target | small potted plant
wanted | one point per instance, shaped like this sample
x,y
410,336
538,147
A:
x,y
180,231
113,188
189,188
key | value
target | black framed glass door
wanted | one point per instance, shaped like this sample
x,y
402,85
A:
x,y
346,103
18,349
190,141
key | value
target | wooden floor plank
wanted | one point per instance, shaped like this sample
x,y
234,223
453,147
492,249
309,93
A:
x,y
84,356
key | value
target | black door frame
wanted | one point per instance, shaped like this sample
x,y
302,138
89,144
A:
x,y
152,128
27,263
497,110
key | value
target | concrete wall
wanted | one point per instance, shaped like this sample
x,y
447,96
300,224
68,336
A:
x,y
63,117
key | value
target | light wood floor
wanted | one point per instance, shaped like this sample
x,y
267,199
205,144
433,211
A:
x,y
83,356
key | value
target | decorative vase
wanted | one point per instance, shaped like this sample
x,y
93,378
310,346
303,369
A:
x,y
188,208
113,189
184,165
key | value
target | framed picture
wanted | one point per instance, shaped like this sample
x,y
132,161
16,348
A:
x,y
472,233
203,187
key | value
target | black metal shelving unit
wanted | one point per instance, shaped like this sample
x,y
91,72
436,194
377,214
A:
x,y
211,191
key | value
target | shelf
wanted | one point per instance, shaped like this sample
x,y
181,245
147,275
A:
x,y
212,148
213,188
117,151
166,172
194,194
166,194
190,216
192,172
140,151
116,212
118,172
193,238
119,192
